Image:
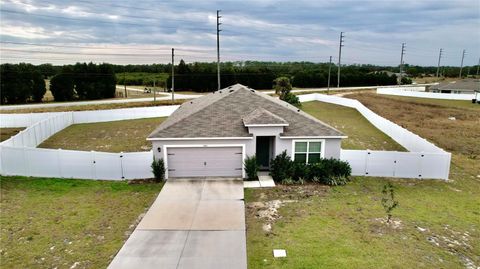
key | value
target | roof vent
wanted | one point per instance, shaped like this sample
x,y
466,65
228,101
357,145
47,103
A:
x,y
252,90
298,110
230,91
191,102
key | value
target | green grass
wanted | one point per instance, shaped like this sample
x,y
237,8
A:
x,y
112,136
361,133
340,227
53,223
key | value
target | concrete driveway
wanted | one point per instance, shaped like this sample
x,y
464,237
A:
x,y
193,223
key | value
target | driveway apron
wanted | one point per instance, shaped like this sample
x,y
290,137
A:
x,y
193,223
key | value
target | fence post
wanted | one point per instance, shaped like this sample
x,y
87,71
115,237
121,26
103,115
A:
x,y
94,168
367,155
121,164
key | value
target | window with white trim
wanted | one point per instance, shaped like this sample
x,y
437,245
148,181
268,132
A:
x,y
308,151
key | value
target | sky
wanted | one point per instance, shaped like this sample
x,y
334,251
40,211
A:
x,y
144,32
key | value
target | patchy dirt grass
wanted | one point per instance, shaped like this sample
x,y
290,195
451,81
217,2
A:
x,y
6,133
437,223
59,223
113,136
430,119
361,133
94,107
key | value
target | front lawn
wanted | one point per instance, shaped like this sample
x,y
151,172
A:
x,y
112,136
361,133
65,223
437,223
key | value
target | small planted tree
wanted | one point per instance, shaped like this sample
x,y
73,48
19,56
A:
x,y
388,200
158,169
283,89
251,167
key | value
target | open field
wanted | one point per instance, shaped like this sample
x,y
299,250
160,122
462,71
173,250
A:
x,y
94,107
429,118
60,223
432,80
361,133
437,223
141,78
6,133
113,136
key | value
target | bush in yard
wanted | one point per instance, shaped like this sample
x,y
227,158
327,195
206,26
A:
x,y
331,171
251,167
281,167
158,169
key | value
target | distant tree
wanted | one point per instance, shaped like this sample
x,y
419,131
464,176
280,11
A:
x,y
282,86
21,83
38,87
62,87
182,68
283,89
405,80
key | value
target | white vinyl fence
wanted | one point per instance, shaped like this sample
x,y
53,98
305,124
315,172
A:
x,y
405,88
431,95
19,155
425,160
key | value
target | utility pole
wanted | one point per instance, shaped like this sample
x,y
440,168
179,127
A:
x,y
329,68
461,65
173,76
218,49
439,57
401,62
340,57
124,83
154,92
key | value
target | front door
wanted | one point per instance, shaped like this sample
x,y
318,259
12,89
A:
x,y
263,151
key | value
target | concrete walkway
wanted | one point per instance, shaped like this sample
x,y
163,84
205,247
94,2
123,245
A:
x,y
192,224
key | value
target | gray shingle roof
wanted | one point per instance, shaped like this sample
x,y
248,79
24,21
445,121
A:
x,y
261,116
468,84
221,114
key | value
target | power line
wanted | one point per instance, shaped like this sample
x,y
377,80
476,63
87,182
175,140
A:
x,y
99,21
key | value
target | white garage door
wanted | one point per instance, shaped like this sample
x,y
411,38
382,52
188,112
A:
x,y
204,162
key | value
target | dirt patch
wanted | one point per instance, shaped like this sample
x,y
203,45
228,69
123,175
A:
x,y
454,242
268,211
268,202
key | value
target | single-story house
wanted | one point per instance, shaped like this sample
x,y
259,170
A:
x,y
212,135
466,86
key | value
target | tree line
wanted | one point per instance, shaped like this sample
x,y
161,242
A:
x,y
84,81
22,83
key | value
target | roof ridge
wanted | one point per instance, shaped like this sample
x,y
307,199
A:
x,y
294,108
167,124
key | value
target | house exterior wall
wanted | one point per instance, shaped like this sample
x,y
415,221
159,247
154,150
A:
x,y
249,144
332,146
331,150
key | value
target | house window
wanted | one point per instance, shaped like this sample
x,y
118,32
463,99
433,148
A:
x,y
307,151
